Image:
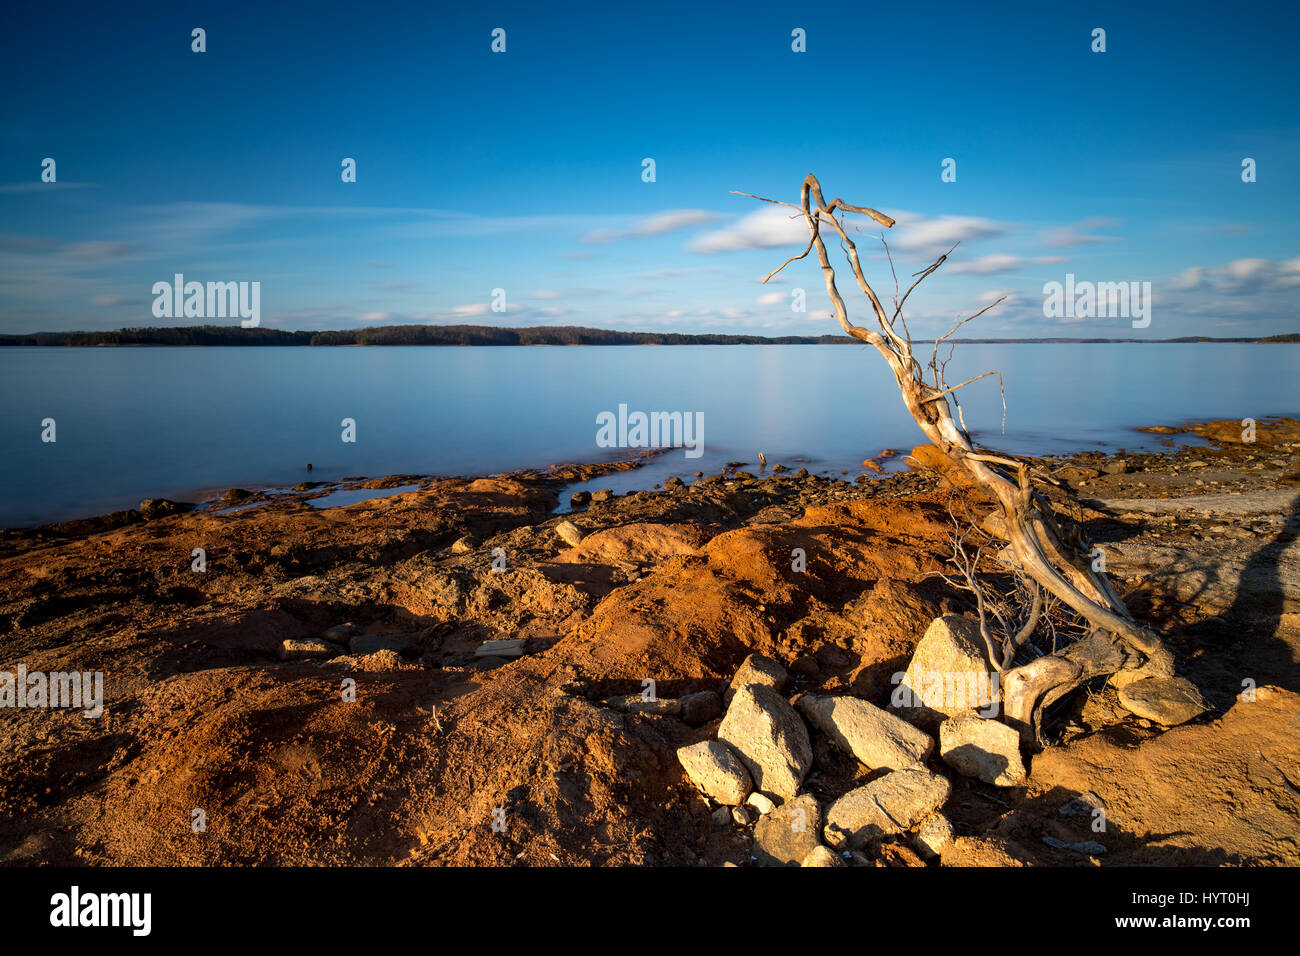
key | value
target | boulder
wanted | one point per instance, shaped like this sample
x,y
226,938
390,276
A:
x,y
874,736
789,833
1166,700
949,672
987,750
580,499
717,771
770,738
756,669
888,805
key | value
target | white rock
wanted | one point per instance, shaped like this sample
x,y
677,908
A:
x,y
569,533
949,672
987,750
872,735
760,803
771,739
888,805
756,669
933,835
717,771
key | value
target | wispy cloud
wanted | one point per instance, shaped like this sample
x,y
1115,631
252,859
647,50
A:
x,y
1240,277
999,263
656,225
1079,234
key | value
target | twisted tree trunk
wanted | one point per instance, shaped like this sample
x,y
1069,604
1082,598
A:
x,y
1029,520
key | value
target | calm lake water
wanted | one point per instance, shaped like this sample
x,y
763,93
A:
x,y
161,422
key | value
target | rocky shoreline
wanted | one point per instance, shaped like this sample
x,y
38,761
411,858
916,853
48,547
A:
x,y
458,673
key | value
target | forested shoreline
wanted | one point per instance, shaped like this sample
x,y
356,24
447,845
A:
x,y
225,335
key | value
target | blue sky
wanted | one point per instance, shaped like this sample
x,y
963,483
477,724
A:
x,y
523,170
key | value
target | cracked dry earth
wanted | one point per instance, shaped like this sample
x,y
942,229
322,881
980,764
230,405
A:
x,y
679,586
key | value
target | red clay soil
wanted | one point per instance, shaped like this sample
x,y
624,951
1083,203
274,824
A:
x,y
675,586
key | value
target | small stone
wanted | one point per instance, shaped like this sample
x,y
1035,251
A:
x,y
933,835
721,817
789,833
761,803
740,815
770,738
1114,466
308,649
700,708
569,533
820,856
603,494
756,669
874,736
1166,700
579,499
987,750
717,771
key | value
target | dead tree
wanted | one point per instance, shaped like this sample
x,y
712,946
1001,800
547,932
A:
x,y
1043,552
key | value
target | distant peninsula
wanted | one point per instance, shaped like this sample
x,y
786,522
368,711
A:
x,y
224,335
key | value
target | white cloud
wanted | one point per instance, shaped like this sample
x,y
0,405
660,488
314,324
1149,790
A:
x,y
920,235
767,228
655,225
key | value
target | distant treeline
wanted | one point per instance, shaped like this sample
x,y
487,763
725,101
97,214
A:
x,y
206,335
401,335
